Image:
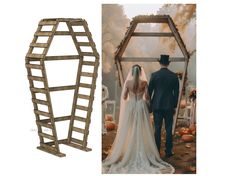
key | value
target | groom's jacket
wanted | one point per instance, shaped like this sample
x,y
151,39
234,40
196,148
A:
x,y
163,90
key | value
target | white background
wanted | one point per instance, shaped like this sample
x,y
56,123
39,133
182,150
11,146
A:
x,y
215,84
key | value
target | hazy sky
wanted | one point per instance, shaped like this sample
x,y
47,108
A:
x,y
132,10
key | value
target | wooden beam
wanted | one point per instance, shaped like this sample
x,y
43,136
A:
x,y
152,34
178,38
149,59
66,57
59,88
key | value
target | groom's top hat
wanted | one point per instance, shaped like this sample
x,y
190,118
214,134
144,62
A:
x,y
164,59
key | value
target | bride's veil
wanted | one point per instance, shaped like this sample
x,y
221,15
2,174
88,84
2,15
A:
x,y
123,124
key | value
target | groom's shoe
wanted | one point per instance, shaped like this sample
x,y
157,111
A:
x,y
168,155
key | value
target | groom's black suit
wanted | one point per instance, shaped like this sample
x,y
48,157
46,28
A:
x,y
164,91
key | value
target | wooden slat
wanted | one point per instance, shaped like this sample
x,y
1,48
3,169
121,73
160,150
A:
x,y
80,147
57,119
149,59
33,66
79,130
37,56
42,113
43,33
38,90
76,23
81,33
83,96
56,153
48,147
47,136
62,33
76,141
82,107
39,45
59,88
88,54
87,74
88,63
85,85
44,124
152,34
36,78
84,43
47,22
40,101
82,119
65,57
158,19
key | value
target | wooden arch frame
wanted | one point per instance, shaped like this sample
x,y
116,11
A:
x,y
165,19
85,59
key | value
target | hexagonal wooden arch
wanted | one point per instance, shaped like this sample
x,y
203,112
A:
x,y
46,119
131,33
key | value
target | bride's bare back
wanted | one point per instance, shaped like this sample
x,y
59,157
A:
x,y
142,88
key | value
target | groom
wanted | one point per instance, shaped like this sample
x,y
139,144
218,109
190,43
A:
x,y
164,91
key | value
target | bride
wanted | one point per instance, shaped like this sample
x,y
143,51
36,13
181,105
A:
x,y
134,149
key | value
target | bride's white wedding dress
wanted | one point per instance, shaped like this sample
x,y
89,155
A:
x,y
134,149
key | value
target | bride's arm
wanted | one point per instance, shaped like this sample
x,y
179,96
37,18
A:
x,y
146,93
125,95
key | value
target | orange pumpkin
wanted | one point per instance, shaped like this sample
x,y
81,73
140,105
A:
x,y
187,138
110,125
184,130
108,118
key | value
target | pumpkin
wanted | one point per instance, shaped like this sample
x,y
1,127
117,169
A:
x,y
108,118
110,125
183,104
184,130
187,138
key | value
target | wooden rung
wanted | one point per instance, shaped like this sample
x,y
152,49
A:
x,y
39,45
88,54
38,90
82,119
83,96
80,33
76,23
37,56
48,147
36,78
88,63
43,33
82,107
66,57
47,23
62,33
76,141
79,130
34,66
85,85
46,136
77,146
42,113
44,124
57,119
87,74
40,101
59,88
153,34
84,43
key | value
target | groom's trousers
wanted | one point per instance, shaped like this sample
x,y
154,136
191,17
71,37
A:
x,y
167,115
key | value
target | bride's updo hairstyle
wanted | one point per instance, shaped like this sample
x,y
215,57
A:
x,y
136,70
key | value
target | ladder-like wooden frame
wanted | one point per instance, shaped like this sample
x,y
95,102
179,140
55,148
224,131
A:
x,y
165,19
85,58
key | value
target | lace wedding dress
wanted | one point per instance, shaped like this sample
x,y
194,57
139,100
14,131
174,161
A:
x,y
134,149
